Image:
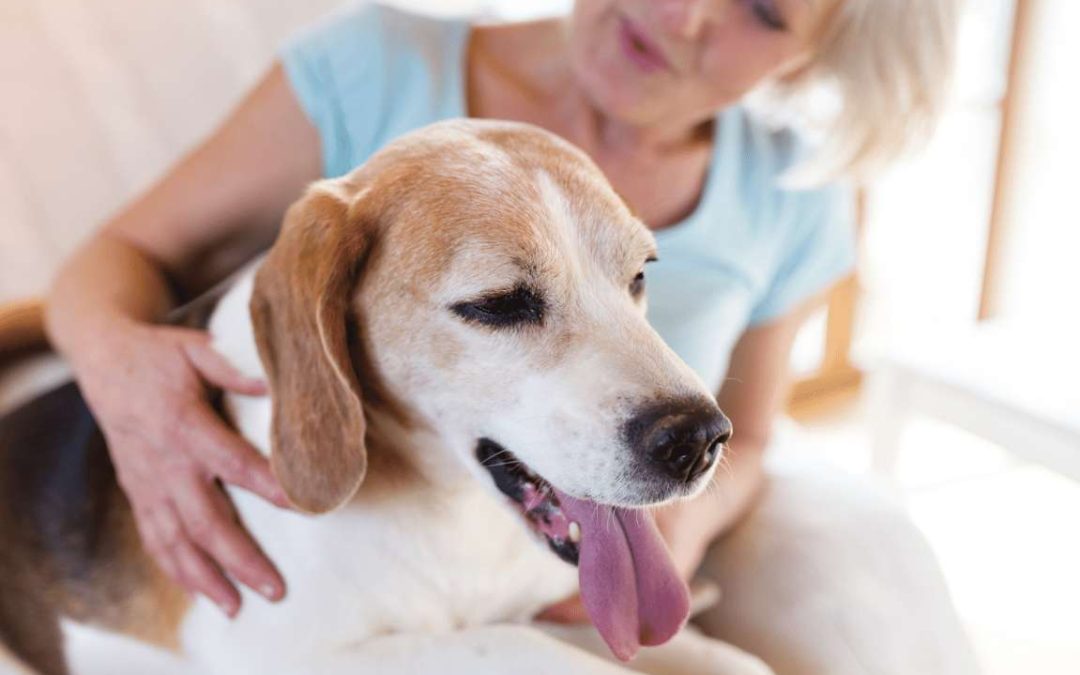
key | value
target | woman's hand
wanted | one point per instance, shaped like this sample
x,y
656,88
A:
x,y
218,207
148,388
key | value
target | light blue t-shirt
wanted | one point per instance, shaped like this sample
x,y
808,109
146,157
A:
x,y
750,252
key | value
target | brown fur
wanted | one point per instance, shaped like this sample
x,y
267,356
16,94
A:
x,y
318,419
70,546
70,543
76,553
10,665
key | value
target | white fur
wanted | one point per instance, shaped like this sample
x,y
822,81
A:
x,y
556,396
93,651
393,575
453,558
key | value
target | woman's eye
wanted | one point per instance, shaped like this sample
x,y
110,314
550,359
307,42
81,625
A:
x,y
519,306
637,286
768,15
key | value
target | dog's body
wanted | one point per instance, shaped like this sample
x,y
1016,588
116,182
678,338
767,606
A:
x,y
424,568
422,554
387,563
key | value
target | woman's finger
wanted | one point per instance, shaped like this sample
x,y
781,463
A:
x,y
570,611
154,543
216,370
226,455
170,544
202,575
209,519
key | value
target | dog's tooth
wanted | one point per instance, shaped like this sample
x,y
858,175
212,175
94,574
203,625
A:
x,y
575,532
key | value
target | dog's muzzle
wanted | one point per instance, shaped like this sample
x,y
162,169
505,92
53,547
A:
x,y
534,496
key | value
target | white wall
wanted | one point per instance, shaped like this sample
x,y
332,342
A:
x,y
98,98
929,215
1041,267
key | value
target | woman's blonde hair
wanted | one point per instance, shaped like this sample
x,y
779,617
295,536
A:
x,y
887,66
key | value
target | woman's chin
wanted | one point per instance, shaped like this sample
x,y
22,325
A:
x,y
625,103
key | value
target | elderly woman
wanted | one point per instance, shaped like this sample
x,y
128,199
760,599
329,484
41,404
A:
x,y
652,91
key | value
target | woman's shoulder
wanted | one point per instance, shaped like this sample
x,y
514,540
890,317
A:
x,y
365,39
759,155
362,23
788,238
368,72
753,164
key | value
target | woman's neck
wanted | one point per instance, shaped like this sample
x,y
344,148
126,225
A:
x,y
523,71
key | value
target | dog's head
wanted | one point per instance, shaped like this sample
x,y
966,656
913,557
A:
x,y
485,278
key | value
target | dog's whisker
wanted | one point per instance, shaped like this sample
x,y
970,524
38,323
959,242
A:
x,y
504,451
726,466
509,462
714,491
513,461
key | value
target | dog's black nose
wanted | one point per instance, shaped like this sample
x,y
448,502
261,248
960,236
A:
x,y
682,439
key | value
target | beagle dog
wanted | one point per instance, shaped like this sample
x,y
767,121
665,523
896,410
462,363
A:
x,y
468,411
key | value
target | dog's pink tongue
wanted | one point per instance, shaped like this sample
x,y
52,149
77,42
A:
x,y
629,585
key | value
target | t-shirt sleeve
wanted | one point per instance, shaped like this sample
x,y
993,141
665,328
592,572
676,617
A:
x,y
819,251
326,64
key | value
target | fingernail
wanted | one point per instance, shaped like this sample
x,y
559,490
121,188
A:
x,y
268,591
229,610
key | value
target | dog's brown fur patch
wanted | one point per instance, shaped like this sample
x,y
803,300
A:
x,y
70,543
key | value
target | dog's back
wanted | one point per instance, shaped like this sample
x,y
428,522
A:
x,y
54,477
70,546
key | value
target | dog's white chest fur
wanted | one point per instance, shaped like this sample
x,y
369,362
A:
x,y
411,565
450,556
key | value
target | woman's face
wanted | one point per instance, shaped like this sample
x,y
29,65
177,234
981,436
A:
x,y
656,62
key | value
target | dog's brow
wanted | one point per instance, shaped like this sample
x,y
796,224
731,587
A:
x,y
645,252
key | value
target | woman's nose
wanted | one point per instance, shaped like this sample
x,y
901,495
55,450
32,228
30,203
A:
x,y
683,18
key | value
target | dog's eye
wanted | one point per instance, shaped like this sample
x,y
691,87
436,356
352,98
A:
x,y
637,286
512,308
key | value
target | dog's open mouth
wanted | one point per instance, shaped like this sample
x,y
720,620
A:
x,y
534,496
629,584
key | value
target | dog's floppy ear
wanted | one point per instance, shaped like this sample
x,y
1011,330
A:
x,y
301,312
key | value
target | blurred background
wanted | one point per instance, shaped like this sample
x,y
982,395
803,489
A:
x,y
945,369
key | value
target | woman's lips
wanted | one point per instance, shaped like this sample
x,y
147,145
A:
x,y
640,48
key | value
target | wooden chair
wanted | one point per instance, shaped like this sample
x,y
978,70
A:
x,y
26,365
22,329
1012,385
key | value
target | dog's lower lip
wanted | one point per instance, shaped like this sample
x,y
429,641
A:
x,y
533,496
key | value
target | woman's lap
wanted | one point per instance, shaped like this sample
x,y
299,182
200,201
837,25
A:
x,y
826,575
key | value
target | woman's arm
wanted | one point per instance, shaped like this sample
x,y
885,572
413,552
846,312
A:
x,y
214,210
753,394
147,384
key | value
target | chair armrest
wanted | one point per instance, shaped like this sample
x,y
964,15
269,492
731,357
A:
x,y
22,328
